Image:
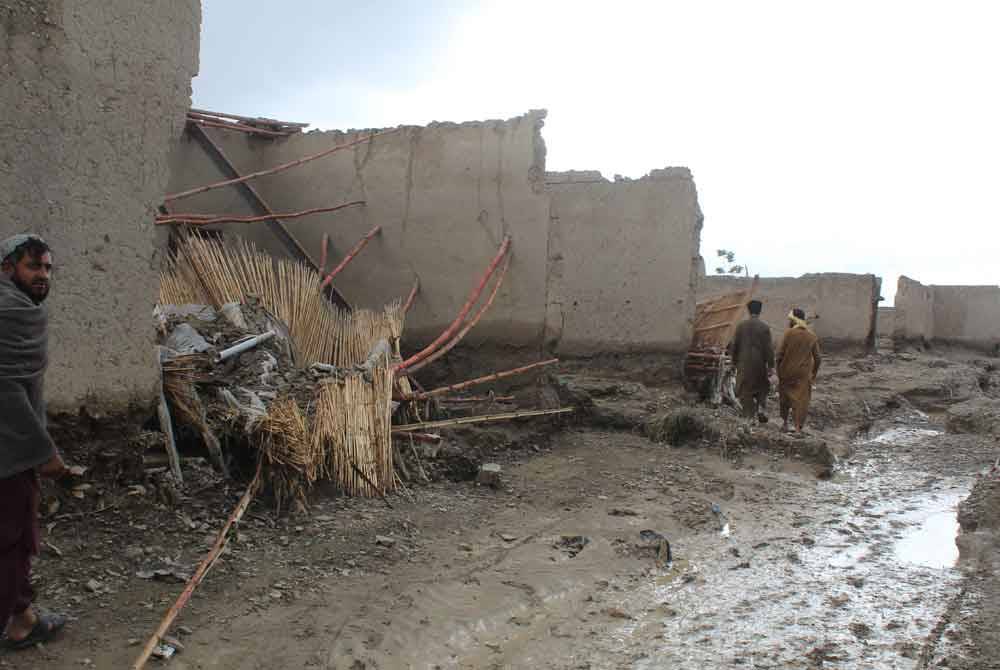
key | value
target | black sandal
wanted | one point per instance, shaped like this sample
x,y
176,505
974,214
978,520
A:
x,y
45,629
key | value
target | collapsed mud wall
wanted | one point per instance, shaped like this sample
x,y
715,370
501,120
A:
x,y
965,315
445,195
622,263
93,95
842,308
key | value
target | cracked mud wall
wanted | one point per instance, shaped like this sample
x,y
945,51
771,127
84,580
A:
x,y
845,304
623,262
444,194
93,96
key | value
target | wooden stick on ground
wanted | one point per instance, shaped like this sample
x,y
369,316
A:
x,y
350,256
212,219
203,568
479,419
370,483
444,390
466,308
277,168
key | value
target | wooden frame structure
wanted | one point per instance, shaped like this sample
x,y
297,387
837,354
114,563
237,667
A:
x,y
707,365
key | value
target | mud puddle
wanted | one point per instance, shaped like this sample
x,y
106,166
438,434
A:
x,y
862,580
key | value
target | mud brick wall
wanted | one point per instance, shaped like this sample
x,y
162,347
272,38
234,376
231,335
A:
x,y
968,315
93,95
622,263
596,267
964,315
914,320
842,308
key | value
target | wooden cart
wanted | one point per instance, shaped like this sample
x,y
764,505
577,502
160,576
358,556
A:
x,y
707,368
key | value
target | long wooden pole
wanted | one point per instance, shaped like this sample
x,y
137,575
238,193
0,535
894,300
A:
x,y
413,295
206,564
248,119
479,419
277,168
350,256
469,324
211,219
466,308
211,123
444,390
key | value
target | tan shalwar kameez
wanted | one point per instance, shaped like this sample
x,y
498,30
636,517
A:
x,y
798,362
752,352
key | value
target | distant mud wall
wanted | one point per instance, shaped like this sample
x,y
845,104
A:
x,y
622,263
597,266
914,304
964,315
842,308
94,95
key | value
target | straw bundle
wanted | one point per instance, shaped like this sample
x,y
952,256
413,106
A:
x,y
206,271
291,463
352,428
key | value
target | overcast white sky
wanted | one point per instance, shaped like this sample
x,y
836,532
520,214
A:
x,y
837,136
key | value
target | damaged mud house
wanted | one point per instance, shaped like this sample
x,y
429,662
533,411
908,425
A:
x,y
418,402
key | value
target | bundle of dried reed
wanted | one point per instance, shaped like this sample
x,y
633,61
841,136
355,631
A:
x,y
209,272
291,462
352,428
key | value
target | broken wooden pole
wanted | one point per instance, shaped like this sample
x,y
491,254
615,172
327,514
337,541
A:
x,y
465,420
362,243
413,295
166,425
201,572
324,248
469,324
276,168
466,308
444,390
213,219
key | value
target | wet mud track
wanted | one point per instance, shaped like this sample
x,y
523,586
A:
x,y
792,572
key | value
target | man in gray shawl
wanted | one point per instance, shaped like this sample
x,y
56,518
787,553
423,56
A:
x,y
26,449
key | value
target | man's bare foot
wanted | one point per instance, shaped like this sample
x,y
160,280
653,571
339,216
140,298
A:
x,y
21,636
20,625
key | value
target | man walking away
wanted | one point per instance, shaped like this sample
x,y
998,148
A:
x,y
26,450
752,353
798,363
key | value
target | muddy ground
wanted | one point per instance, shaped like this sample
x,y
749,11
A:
x,y
833,551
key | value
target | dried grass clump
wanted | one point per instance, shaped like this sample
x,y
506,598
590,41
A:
x,y
680,427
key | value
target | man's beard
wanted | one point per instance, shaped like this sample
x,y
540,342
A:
x,y
37,292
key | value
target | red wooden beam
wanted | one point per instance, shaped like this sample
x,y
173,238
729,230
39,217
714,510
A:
x,y
450,330
350,256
